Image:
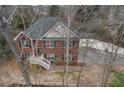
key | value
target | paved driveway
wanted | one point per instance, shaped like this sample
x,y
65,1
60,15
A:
x,y
97,56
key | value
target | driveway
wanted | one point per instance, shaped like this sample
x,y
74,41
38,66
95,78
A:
x,y
92,55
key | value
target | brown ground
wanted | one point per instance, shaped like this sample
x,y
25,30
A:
x,y
91,75
9,73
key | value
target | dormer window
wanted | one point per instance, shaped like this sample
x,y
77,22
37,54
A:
x,y
25,43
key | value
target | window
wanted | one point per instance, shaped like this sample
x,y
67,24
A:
x,y
26,55
71,44
25,43
49,44
51,57
70,57
38,51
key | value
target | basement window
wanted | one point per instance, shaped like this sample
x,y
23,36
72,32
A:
x,y
51,57
69,57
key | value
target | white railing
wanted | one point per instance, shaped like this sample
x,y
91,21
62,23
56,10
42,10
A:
x,y
41,61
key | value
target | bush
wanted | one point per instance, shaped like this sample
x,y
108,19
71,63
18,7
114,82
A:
x,y
53,10
17,22
101,32
4,50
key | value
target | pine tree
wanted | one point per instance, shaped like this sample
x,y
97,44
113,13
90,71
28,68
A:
x,y
53,10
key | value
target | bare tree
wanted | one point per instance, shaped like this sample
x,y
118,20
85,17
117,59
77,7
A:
x,y
5,31
83,56
109,62
84,50
70,12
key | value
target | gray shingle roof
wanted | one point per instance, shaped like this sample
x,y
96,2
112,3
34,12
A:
x,y
43,25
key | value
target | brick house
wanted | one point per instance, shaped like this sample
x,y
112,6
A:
x,y
48,36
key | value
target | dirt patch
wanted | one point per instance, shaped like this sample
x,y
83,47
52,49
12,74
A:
x,y
119,68
91,75
9,73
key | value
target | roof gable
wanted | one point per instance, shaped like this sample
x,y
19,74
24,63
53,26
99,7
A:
x,y
22,33
59,31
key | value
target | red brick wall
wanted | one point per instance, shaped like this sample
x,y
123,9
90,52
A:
x,y
59,51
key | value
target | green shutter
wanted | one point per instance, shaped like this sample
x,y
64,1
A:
x,y
62,44
54,44
63,58
55,57
73,43
44,44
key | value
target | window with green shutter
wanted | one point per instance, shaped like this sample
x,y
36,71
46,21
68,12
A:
x,y
62,44
49,44
69,57
71,44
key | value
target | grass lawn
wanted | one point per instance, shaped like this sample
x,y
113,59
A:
x,y
118,80
71,75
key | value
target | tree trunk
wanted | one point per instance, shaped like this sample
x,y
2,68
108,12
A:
x,y
5,31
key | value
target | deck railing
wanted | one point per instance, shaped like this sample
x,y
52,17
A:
x,y
41,61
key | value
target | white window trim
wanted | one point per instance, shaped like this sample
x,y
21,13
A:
x,y
50,42
69,44
49,57
22,46
23,34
